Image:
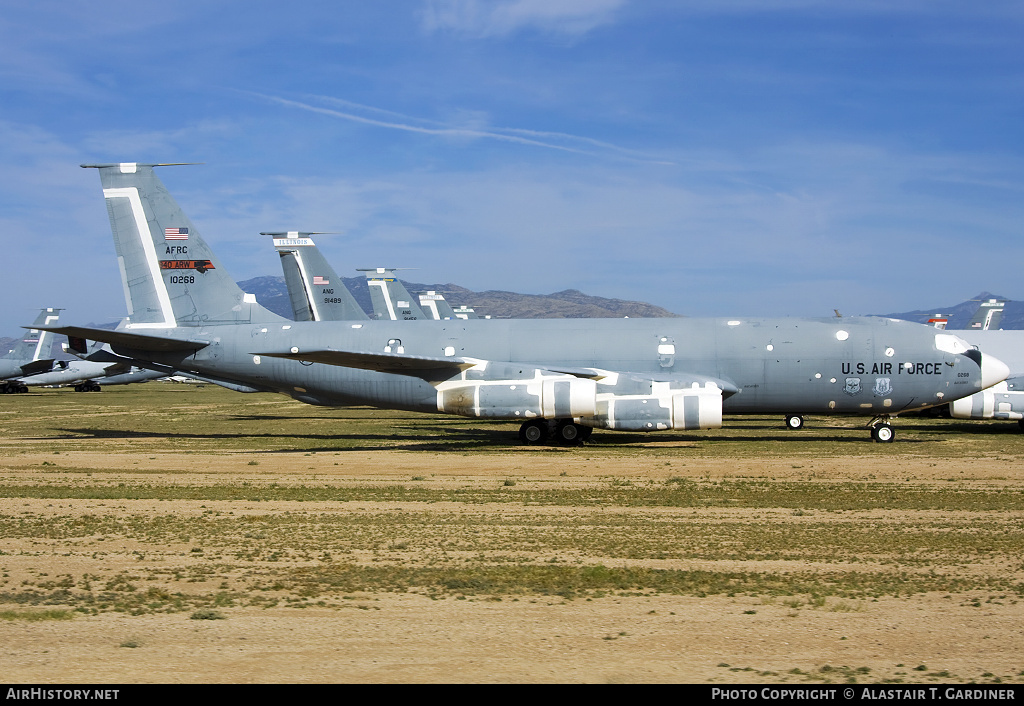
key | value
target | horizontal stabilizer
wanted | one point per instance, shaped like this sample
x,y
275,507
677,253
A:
x,y
124,339
119,368
415,366
37,366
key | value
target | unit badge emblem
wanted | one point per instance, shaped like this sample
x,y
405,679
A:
x,y
883,387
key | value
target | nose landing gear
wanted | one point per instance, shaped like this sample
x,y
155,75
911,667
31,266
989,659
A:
x,y
881,430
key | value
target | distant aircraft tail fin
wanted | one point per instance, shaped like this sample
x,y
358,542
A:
x,y
988,316
391,300
36,344
316,291
170,275
435,306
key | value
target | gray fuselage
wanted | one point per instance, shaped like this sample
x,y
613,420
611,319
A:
x,y
830,366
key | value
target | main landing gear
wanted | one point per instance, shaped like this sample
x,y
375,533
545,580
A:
x,y
87,386
13,387
881,430
565,432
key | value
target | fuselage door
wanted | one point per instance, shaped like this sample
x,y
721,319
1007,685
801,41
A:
x,y
666,351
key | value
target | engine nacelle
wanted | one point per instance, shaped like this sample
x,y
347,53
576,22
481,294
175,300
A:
x,y
997,402
551,397
694,408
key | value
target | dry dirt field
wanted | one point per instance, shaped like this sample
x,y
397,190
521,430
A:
x,y
177,534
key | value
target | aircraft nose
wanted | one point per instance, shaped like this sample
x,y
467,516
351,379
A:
x,y
993,370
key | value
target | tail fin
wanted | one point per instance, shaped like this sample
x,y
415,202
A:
x,y
467,312
36,344
170,276
988,316
436,306
391,300
316,291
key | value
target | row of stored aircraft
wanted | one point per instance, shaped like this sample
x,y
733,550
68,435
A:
x,y
31,364
560,378
320,297
317,293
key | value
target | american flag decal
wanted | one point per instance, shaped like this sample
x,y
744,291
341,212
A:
x,y
317,279
176,233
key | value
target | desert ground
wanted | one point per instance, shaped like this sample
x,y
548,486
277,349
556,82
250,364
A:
x,y
167,533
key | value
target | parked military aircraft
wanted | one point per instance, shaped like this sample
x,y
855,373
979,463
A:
x,y
560,378
31,355
391,300
316,291
438,307
1004,400
90,373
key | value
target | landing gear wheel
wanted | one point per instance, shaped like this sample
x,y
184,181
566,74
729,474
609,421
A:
x,y
1020,423
534,432
883,433
569,432
93,387
794,421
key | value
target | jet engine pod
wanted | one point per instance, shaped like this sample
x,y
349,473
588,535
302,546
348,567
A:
x,y
555,397
998,402
696,408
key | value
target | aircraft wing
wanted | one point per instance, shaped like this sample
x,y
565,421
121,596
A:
x,y
436,369
396,363
125,339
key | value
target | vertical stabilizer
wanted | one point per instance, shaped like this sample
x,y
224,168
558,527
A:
x,y
36,344
988,316
170,276
316,291
391,300
467,312
435,306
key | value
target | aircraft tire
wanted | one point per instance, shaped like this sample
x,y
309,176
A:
x,y
883,433
794,421
93,387
534,432
23,388
78,388
569,432
1020,423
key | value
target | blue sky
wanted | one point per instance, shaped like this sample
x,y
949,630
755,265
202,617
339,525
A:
x,y
717,158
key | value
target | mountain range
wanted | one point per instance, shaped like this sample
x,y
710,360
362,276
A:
x,y
568,304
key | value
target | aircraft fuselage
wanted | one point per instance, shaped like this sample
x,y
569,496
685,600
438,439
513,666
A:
x,y
830,366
